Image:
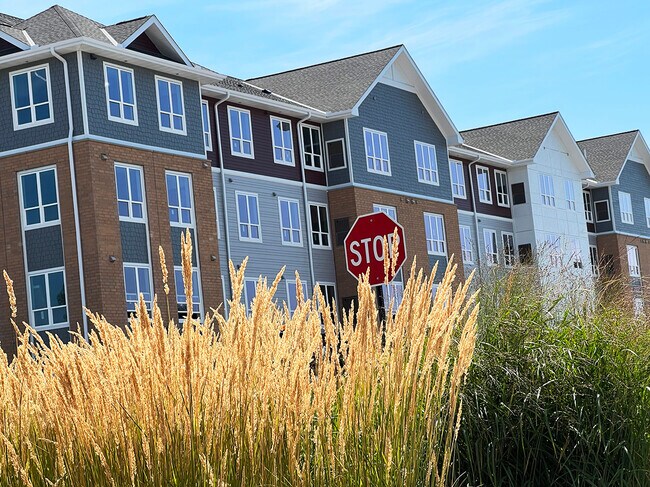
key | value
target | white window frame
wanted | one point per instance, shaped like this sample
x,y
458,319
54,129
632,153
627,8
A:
x,y
375,158
290,228
41,207
593,259
609,211
503,199
509,260
171,129
305,291
131,218
275,118
633,265
33,123
646,203
459,185
328,299
547,190
428,218
240,139
320,232
466,244
137,266
391,211
484,191
570,195
250,225
491,254
304,152
197,271
248,302
625,199
345,154
205,121
120,102
432,171
589,210
180,224
46,273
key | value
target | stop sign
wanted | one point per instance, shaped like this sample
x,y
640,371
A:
x,y
364,246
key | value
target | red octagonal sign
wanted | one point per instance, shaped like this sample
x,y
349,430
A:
x,y
364,246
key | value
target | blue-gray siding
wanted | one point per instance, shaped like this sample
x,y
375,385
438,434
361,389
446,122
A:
x,y
602,194
134,242
634,180
332,131
176,245
478,244
44,248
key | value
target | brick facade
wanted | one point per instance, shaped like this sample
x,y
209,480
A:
x,y
615,245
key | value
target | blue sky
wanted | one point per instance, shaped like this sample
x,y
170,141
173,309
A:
x,y
488,61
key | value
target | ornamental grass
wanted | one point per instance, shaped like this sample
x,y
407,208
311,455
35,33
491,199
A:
x,y
259,398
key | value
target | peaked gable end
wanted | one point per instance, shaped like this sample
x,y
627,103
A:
x,y
153,39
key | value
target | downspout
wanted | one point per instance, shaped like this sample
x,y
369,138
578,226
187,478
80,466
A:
x,y
226,230
73,182
478,238
304,197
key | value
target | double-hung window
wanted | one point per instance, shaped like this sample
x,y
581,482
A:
x,y
248,217
377,156
508,240
329,293
633,261
48,299
646,202
457,179
602,211
490,245
466,244
570,195
434,229
137,281
241,132
483,180
282,141
181,298
501,179
336,157
171,109
546,189
625,203
31,97
292,295
290,221
130,193
391,211
312,151
120,94
586,198
207,132
39,197
179,199
320,236
427,163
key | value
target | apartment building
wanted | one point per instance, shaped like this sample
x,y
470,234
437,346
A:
x,y
617,208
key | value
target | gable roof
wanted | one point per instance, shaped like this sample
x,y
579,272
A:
x,y
123,30
607,154
517,140
58,24
332,86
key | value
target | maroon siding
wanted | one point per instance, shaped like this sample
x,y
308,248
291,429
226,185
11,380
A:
x,y
7,48
488,209
591,228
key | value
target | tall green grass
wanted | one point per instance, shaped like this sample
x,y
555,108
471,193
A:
x,y
557,395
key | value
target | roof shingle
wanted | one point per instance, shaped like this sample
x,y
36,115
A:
x,y
607,154
123,30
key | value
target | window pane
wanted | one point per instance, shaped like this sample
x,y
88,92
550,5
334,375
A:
x,y
30,190
137,210
186,199
172,190
163,93
21,90
177,100
42,112
136,185
245,125
51,213
48,187
127,87
178,123
39,86
242,203
130,282
145,285
114,109
24,116
295,218
59,315
165,120
113,84
33,216
284,214
122,183
39,295
315,223
234,126
57,289
252,200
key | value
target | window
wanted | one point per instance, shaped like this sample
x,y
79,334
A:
x,y
484,190
120,94
137,280
508,240
546,189
391,211
38,194
207,133
171,110
48,299
501,178
593,257
633,261
602,211
586,198
393,292
130,193
248,217
181,299
320,236
329,293
336,154
311,148
282,141
427,163
292,295
457,179
241,132
646,202
250,290
179,199
377,157
466,245
434,229
570,195
518,194
290,222
625,202
31,97
552,247
491,249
